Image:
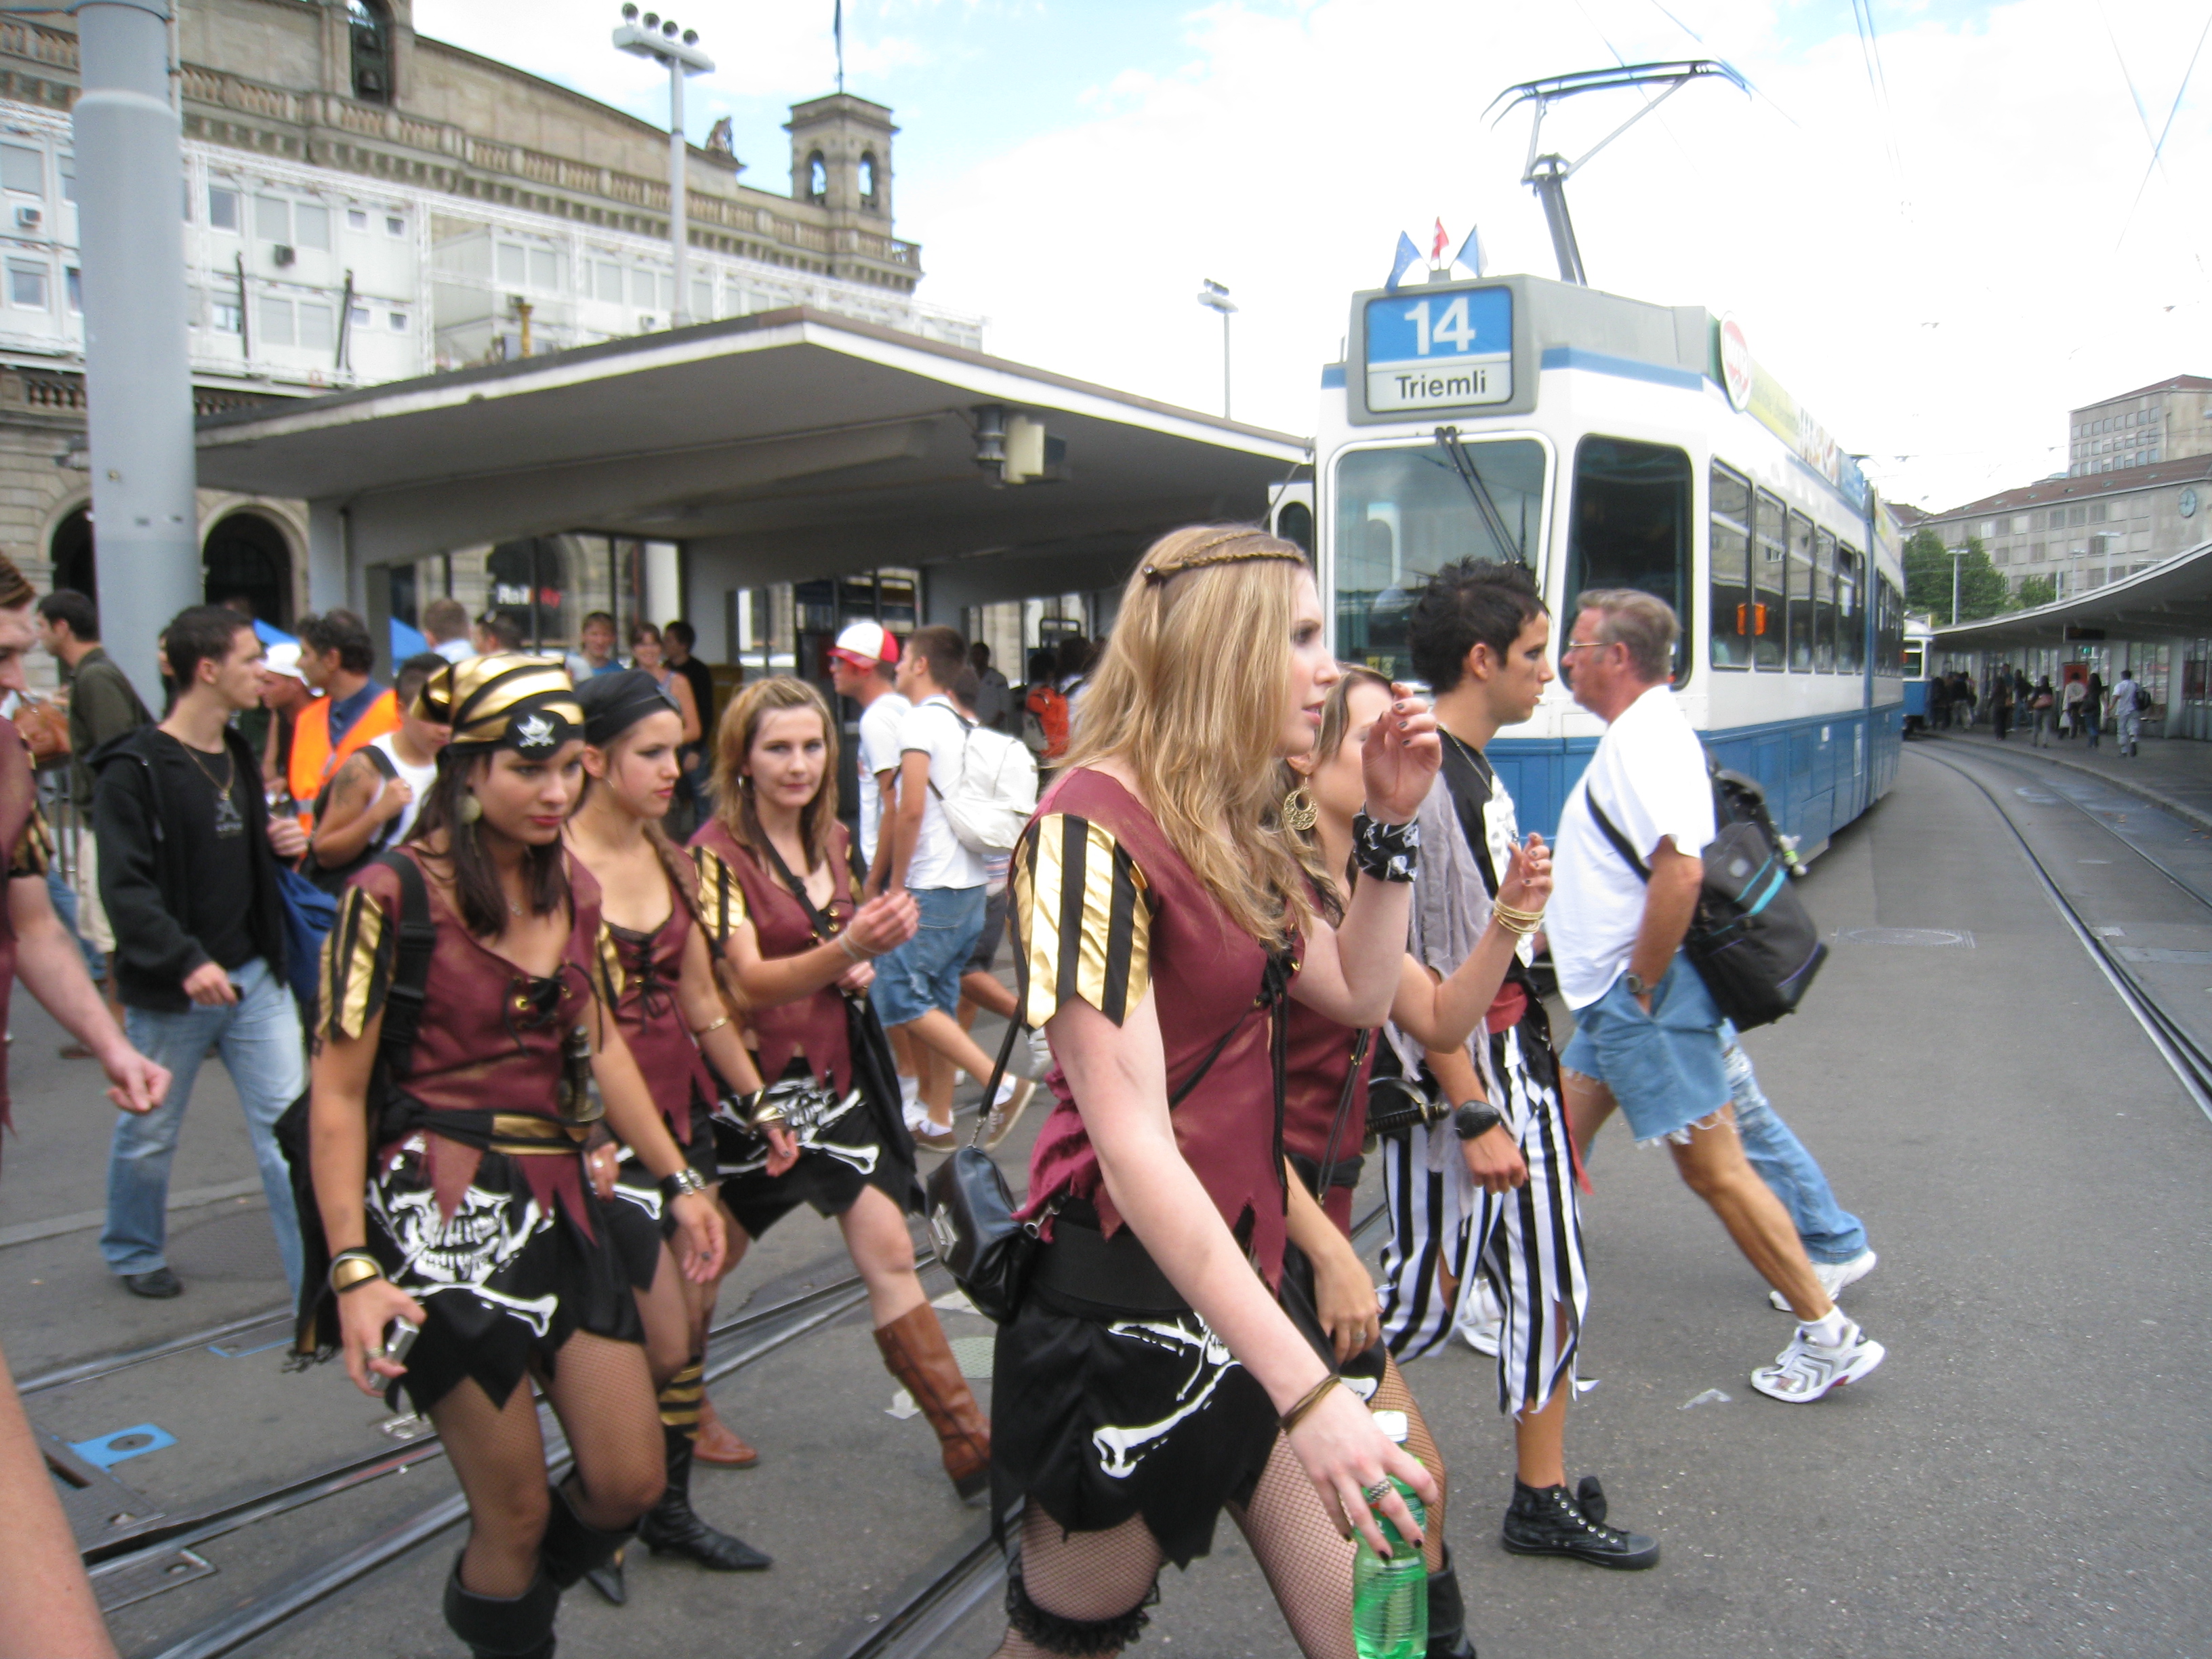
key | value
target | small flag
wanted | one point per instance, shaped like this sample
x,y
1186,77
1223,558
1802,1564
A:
x,y
1470,252
1409,256
1440,243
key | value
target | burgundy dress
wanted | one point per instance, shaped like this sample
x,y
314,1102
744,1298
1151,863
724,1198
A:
x,y
803,1049
477,1202
1320,1056
1124,1401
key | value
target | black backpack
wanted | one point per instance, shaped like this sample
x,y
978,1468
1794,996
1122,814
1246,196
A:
x,y
1752,941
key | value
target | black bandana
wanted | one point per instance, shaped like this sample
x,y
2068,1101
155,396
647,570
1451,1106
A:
x,y
612,703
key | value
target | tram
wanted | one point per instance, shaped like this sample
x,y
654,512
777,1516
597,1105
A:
x,y
1606,442
1919,648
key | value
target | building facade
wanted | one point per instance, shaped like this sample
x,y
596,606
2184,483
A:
x,y
2086,531
2168,422
363,204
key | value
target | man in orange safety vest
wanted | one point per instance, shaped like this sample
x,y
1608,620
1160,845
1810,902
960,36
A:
x,y
335,657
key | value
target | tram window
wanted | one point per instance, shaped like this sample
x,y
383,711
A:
x,y
1294,523
1912,669
1850,609
1630,526
1404,512
1801,594
1733,612
1824,602
1769,609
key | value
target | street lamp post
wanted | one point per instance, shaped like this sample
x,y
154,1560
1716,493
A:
x,y
1215,297
1957,554
655,37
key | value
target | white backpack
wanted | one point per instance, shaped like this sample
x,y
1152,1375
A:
x,y
995,792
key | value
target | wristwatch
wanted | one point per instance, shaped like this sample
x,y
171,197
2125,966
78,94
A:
x,y
1476,1117
1634,981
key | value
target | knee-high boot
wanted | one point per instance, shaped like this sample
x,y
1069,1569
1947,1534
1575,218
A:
x,y
503,1626
1448,1614
671,1527
573,1547
917,1354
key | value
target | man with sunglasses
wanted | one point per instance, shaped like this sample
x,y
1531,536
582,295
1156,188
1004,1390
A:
x,y
1648,1038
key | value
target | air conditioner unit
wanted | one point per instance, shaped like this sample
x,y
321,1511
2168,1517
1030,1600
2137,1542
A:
x,y
29,218
283,255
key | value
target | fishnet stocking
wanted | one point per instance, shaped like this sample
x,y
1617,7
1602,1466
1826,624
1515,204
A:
x,y
603,1393
1392,1395
1085,1576
1309,1567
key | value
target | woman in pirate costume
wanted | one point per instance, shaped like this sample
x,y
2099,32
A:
x,y
777,889
448,1163
661,985
1150,1378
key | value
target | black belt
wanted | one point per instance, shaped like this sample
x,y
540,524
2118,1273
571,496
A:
x,y
1344,1173
1086,1273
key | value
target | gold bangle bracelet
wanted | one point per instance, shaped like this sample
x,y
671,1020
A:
x,y
1312,1397
716,1026
352,1267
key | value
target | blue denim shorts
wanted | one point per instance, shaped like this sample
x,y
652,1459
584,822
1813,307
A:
x,y
924,973
1666,1068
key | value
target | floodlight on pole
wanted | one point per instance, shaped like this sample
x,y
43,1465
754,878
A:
x,y
658,38
1215,297
1957,554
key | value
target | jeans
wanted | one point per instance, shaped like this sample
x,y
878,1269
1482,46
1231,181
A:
x,y
2089,726
1829,1232
924,973
64,898
259,1039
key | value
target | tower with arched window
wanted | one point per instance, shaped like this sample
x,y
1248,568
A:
x,y
841,158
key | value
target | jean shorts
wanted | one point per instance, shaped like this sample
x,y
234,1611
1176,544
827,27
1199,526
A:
x,y
994,930
1667,1069
924,973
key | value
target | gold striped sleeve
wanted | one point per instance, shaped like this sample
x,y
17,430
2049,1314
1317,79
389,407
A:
x,y
1082,919
721,899
35,847
610,967
358,958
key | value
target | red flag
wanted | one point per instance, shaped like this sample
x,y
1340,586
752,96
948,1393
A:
x,y
1438,243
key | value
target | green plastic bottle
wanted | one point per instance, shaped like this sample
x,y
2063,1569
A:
x,y
1391,1598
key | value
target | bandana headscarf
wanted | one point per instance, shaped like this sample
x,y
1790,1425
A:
x,y
612,703
504,700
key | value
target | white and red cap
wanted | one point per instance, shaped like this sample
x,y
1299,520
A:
x,y
865,644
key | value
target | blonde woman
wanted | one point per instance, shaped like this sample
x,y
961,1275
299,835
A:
x,y
1150,1378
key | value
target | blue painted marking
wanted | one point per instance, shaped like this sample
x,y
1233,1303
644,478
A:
x,y
1626,368
1332,377
109,1450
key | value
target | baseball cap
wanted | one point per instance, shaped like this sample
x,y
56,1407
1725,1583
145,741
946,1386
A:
x,y
284,659
867,643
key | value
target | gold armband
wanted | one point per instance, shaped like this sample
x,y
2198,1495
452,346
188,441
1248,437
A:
x,y
351,1268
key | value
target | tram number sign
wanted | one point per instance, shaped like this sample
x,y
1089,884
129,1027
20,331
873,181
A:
x,y
1440,351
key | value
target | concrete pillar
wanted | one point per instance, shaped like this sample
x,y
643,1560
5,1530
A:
x,y
138,383
329,584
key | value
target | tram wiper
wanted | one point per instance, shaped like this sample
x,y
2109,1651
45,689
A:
x,y
1448,439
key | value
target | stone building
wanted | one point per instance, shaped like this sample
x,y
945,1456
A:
x,y
364,205
2162,422
2085,532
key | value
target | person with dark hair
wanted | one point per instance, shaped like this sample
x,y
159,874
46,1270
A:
x,y
460,1203
1044,711
596,633
663,993
446,626
492,633
188,873
800,944
336,656
680,642
372,801
103,705
994,698
1073,666
917,985
645,650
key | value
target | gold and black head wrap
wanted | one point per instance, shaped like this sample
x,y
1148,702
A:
x,y
504,700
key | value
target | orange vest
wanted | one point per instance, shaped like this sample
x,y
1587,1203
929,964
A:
x,y
312,758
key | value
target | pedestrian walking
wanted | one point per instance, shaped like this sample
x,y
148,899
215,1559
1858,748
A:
x,y
680,642
1962,698
1648,1038
373,801
2000,704
1152,1376
1044,710
1835,1240
2127,711
474,1221
596,635
2092,708
446,626
336,657
188,875
2072,700
994,698
2042,704
1939,702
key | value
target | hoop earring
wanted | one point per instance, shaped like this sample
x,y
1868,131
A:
x,y
471,809
1299,812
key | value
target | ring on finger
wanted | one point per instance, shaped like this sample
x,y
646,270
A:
x,y
371,1355
1376,1493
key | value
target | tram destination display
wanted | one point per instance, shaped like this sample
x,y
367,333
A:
x,y
1448,350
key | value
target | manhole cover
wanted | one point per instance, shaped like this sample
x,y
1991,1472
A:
x,y
1958,938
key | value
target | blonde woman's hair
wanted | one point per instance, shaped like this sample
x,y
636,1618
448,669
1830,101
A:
x,y
733,745
1335,726
1190,695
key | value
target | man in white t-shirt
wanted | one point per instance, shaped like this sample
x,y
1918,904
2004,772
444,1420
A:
x,y
917,987
1648,1035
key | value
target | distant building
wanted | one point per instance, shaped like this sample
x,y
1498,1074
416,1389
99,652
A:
x,y
363,205
2162,422
2086,531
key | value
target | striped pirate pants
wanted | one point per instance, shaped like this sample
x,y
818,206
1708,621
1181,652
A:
x,y
1527,1243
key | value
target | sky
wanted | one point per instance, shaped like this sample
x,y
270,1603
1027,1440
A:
x,y
1939,240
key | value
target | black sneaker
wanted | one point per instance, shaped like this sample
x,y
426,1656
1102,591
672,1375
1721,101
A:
x,y
1547,1521
160,1284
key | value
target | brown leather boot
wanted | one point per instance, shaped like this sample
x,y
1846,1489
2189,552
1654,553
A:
x,y
721,1444
917,1354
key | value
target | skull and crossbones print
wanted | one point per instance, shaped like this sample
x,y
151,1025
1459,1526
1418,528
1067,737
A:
x,y
464,1251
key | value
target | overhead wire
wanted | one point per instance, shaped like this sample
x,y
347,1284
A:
x,y
2158,148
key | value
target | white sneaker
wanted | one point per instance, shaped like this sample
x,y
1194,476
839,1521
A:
x,y
1806,1369
1014,1097
1483,1324
1835,1277
1039,1055
916,1114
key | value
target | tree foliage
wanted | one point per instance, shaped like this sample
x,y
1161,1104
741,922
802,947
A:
x,y
2037,590
1982,591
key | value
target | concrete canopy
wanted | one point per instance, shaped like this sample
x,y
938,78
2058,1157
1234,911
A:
x,y
778,447
2171,600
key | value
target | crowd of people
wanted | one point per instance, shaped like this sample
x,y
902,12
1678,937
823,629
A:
x,y
2082,706
572,1047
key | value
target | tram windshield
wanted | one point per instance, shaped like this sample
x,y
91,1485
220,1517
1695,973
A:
x,y
1404,512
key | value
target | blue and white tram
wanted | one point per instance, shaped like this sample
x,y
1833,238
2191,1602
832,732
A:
x,y
1610,443
1919,648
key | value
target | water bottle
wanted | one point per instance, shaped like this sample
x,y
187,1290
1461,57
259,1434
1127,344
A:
x,y
1391,1598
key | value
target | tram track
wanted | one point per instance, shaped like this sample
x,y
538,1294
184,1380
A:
x,y
2188,1057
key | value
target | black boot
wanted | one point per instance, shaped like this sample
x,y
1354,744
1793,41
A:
x,y
1547,1521
608,1579
672,1527
1590,1496
1447,1614
571,1548
503,1626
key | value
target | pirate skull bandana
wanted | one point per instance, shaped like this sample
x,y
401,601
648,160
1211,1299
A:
x,y
504,700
